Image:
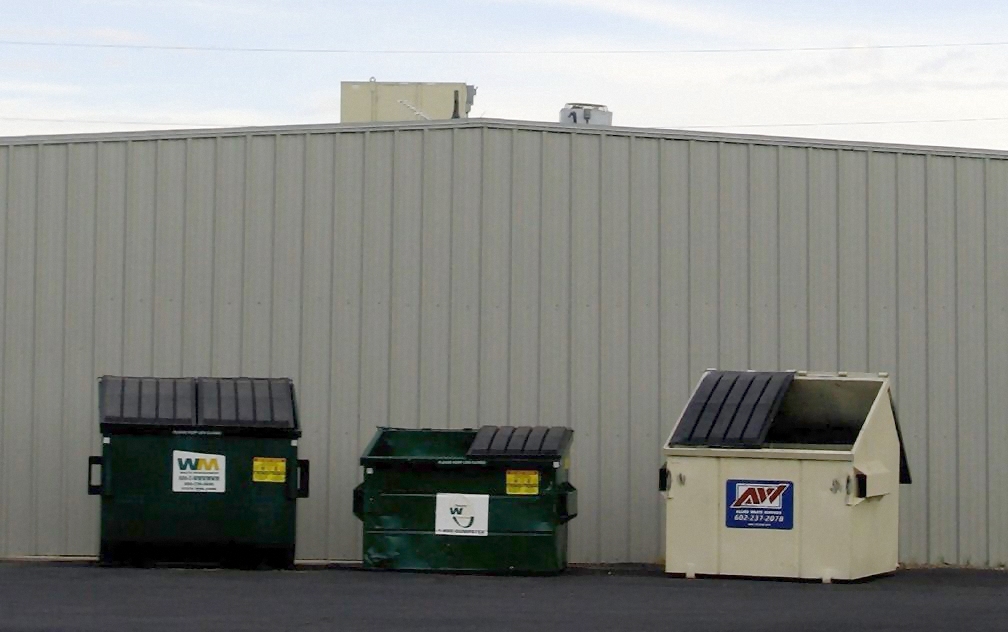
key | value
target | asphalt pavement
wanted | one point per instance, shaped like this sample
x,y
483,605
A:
x,y
60,596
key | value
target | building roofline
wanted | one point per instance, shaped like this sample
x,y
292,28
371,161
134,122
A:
x,y
487,123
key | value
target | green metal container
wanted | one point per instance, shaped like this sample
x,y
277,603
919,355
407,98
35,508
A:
x,y
198,471
495,500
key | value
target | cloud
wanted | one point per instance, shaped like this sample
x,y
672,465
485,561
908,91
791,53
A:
x,y
35,88
20,116
730,23
103,35
204,8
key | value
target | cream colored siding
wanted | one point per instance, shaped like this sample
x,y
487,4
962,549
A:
x,y
491,272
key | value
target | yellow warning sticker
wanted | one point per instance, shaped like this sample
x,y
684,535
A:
x,y
522,482
269,470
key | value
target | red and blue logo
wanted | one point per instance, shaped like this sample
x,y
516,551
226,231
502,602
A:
x,y
759,504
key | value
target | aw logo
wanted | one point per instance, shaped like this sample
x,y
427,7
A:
x,y
759,504
199,473
461,514
747,495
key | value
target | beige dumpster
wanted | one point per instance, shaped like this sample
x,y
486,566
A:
x,y
784,474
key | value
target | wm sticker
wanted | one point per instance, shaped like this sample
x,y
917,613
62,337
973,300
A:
x,y
196,472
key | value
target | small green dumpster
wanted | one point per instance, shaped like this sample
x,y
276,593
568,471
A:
x,y
198,470
495,500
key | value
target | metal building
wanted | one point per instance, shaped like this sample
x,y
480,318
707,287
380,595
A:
x,y
490,272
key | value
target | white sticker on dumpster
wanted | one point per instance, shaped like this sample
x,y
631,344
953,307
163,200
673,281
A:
x,y
461,514
198,472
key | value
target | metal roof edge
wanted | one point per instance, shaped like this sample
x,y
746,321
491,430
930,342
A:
x,y
489,123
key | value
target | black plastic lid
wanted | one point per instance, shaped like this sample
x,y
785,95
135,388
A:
x,y
522,442
732,408
234,406
247,404
131,404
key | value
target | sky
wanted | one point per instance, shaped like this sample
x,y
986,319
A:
x,y
922,72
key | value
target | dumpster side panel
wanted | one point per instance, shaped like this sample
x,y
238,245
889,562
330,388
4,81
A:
x,y
141,511
825,520
531,553
525,532
693,516
875,544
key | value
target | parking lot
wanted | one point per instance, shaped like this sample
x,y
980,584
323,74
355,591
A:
x,y
61,596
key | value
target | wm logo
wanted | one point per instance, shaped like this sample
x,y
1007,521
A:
x,y
198,464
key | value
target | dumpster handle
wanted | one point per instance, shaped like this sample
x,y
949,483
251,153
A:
x,y
358,501
663,478
92,489
303,478
567,500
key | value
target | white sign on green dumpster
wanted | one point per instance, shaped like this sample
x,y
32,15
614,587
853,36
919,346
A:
x,y
198,472
461,514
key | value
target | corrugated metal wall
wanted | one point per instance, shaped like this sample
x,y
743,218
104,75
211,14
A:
x,y
486,273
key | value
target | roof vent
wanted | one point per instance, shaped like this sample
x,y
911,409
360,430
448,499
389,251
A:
x,y
591,114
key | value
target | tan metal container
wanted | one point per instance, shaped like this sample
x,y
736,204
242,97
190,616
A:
x,y
785,475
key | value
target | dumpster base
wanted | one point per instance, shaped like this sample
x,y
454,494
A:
x,y
524,554
195,554
785,579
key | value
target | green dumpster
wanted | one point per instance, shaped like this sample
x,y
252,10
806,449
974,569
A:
x,y
495,500
198,470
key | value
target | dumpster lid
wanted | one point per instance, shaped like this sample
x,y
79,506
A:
x,y
140,405
750,409
523,442
732,409
248,405
154,403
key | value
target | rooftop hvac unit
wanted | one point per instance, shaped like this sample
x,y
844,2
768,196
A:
x,y
585,114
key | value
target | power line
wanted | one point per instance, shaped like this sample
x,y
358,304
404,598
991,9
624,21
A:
x,y
721,126
33,119
834,123
392,51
